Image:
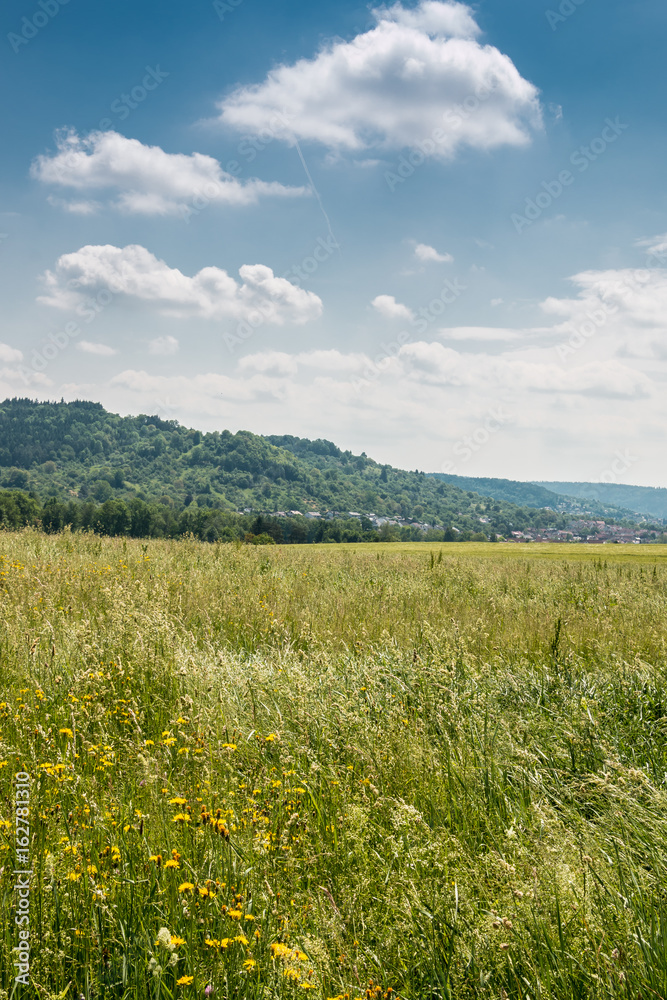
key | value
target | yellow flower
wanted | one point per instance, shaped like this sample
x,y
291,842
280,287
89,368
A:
x,y
4,763
308,986
149,743
74,876
178,801
170,741
248,916
181,818
171,864
177,941
92,870
185,887
157,858
67,732
185,981
241,940
181,721
229,746
212,943
234,914
249,964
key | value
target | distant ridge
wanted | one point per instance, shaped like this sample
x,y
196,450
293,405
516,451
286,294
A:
x,y
651,501
542,495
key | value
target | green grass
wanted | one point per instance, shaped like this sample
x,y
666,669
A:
x,y
435,770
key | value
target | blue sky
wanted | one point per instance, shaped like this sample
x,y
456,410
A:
x,y
430,231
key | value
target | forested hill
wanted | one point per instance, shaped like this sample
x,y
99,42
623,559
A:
x,y
80,451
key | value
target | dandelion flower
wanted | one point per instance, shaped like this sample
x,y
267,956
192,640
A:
x,y
177,941
171,864
249,964
67,732
178,801
186,887
185,981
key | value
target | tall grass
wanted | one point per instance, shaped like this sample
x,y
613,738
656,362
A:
x,y
437,773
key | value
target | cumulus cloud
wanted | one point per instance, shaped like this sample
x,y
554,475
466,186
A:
x,y
164,346
655,246
418,79
9,354
100,273
102,350
428,255
388,307
148,181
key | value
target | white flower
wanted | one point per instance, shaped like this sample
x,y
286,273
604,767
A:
x,y
164,938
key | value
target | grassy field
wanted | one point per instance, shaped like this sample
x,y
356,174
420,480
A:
x,y
371,771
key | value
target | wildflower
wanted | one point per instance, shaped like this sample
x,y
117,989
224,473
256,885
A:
x,y
308,986
178,801
171,864
181,818
67,732
149,743
209,989
241,940
164,938
177,941
157,858
74,876
92,870
249,964
235,914
186,887
229,746
185,981
248,916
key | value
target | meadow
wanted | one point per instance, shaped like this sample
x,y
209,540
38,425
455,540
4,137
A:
x,y
386,772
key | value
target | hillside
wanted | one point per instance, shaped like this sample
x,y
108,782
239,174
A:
x,y
647,500
542,495
80,451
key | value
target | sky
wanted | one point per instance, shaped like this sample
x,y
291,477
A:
x,y
429,231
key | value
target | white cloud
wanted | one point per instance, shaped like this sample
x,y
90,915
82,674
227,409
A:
x,y
164,346
388,307
420,76
656,246
102,350
75,207
102,272
427,255
479,333
10,354
148,180
497,302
